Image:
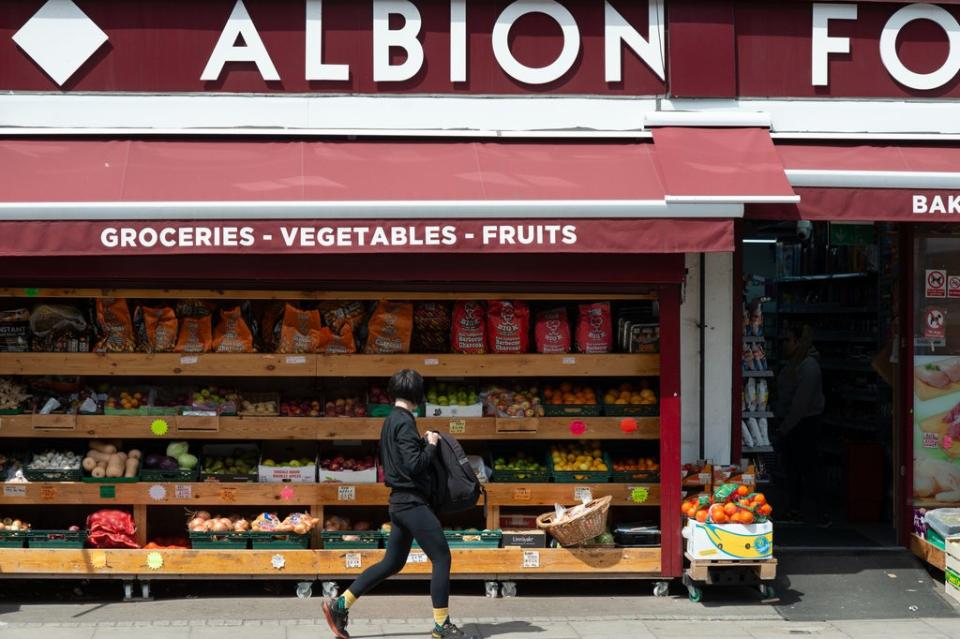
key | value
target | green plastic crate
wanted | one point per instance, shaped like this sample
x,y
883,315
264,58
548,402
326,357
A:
x,y
219,541
368,540
382,410
581,476
56,538
935,538
260,540
518,476
481,539
87,479
75,474
631,410
179,475
638,476
571,410
13,538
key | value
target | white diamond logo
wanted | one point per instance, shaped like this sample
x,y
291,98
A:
x,y
60,38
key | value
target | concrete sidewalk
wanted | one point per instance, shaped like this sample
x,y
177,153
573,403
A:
x,y
623,627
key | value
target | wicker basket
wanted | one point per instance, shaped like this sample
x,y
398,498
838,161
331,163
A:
x,y
588,524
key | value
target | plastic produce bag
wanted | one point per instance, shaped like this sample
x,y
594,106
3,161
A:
x,y
751,392
754,427
233,334
946,521
763,395
111,529
747,437
196,335
764,431
390,328
300,331
115,326
431,327
157,328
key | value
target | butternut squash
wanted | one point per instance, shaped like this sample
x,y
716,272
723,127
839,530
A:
x,y
98,472
115,466
98,456
102,446
132,465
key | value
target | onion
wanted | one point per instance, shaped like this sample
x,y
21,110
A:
x,y
219,526
202,514
195,523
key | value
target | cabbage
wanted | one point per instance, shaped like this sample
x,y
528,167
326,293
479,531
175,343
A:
x,y
175,449
187,461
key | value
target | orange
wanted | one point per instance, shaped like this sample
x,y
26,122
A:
x,y
765,509
760,499
746,517
702,516
735,517
730,509
743,491
719,518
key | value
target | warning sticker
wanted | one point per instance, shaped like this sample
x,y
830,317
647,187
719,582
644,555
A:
x,y
953,286
934,323
935,283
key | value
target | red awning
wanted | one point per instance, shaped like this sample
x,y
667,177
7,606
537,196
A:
x,y
737,164
870,182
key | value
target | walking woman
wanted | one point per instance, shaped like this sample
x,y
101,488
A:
x,y
406,460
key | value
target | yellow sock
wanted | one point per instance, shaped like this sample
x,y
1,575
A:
x,y
348,599
440,615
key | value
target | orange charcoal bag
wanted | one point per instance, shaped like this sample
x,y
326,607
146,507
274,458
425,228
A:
x,y
300,331
196,335
232,334
508,327
390,328
116,326
469,329
160,328
332,342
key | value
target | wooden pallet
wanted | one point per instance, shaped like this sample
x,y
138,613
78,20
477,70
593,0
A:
x,y
928,552
699,569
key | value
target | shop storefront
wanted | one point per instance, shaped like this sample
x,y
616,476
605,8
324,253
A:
x,y
554,154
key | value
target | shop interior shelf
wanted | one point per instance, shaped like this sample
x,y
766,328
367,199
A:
x,y
824,277
759,414
758,373
758,449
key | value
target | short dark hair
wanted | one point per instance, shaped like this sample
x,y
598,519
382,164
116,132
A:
x,y
406,384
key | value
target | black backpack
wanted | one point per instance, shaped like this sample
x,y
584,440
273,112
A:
x,y
455,485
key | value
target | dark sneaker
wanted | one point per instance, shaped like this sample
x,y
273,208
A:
x,y
336,617
447,631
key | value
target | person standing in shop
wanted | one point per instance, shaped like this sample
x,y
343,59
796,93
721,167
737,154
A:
x,y
407,459
799,405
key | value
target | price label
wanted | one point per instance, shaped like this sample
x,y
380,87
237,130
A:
x,y
704,478
48,493
582,493
531,559
189,359
183,491
749,478
521,494
431,361
14,490
458,426
296,359
353,560
108,492
228,495
569,360
346,493
417,557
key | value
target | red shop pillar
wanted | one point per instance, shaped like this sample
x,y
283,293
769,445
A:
x,y
671,542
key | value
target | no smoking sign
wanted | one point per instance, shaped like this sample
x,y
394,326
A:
x,y
953,286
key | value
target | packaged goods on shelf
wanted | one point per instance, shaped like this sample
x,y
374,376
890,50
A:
x,y
233,333
390,328
469,332
115,326
945,521
594,328
508,326
157,328
196,335
636,535
552,331
15,331
59,328
432,322
638,328
299,330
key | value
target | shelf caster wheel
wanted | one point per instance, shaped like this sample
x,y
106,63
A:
x,y
491,589
128,591
661,589
767,591
330,589
695,593
304,589
508,589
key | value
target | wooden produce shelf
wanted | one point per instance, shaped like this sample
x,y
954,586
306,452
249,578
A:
x,y
326,564
325,428
216,494
359,365
928,552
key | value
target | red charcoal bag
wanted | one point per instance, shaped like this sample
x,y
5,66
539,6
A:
x,y
594,328
552,331
469,331
508,327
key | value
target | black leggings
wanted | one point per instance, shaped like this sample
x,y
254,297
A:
x,y
408,524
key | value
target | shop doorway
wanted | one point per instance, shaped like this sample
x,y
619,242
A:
x,y
820,307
